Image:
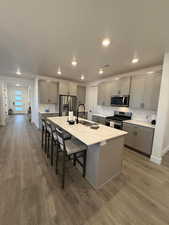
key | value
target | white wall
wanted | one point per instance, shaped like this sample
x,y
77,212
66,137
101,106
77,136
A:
x,y
161,136
35,105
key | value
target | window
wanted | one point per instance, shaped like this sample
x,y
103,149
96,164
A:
x,y
18,98
18,108
18,103
18,92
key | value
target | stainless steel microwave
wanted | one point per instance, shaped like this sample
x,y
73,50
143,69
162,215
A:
x,y
120,100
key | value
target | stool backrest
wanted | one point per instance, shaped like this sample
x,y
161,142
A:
x,y
49,127
43,123
60,139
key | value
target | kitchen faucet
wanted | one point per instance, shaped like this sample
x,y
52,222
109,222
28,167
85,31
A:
x,y
77,118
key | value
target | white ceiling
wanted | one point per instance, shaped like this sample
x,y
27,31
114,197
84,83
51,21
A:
x,y
39,35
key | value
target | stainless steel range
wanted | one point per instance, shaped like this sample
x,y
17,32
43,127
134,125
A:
x,y
118,119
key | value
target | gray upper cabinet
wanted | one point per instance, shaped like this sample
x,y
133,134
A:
x,y
137,92
48,92
114,87
121,86
101,97
67,88
43,90
145,91
81,94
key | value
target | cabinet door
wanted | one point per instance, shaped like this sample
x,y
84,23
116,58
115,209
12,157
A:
x,y
72,88
139,138
137,92
101,94
43,92
115,89
63,88
81,94
151,92
144,139
107,93
52,92
124,86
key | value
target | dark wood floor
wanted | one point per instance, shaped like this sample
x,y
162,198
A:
x,y
30,192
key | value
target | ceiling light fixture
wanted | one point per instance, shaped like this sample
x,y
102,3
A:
x,y
74,62
150,72
59,72
106,42
18,72
117,78
82,77
17,85
101,71
135,60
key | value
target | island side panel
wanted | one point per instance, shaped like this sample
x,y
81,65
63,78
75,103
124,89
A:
x,y
104,161
110,160
93,154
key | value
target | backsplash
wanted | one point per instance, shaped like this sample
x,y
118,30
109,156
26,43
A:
x,y
142,115
50,107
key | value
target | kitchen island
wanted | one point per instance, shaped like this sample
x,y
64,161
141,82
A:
x,y
105,149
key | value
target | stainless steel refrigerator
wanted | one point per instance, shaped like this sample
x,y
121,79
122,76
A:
x,y
67,103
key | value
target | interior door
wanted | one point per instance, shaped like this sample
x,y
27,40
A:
x,y
18,99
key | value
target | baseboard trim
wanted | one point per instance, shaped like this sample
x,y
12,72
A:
x,y
156,159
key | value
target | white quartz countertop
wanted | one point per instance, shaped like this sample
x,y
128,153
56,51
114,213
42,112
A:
x,y
140,123
101,115
84,133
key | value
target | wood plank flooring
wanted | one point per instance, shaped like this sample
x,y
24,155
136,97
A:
x,y
31,194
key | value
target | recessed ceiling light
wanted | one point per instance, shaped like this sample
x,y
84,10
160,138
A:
x,y
101,71
74,62
18,85
117,78
106,42
150,72
59,72
135,60
18,72
82,77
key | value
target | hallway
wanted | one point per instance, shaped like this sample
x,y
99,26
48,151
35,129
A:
x,y
31,194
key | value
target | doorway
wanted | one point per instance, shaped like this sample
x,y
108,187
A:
x,y
18,99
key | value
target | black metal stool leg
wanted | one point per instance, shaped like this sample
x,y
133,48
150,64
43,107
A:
x,y
63,170
48,146
51,152
84,163
74,159
42,138
46,141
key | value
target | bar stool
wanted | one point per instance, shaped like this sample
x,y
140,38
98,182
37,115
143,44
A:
x,y
49,139
72,149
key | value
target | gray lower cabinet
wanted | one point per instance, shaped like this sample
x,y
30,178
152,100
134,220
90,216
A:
x,y
48,92
81,94
99,119
139,138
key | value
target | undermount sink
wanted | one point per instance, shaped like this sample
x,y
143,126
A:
x,y
86,123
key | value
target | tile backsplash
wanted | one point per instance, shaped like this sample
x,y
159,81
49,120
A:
x,y
50,107
138,114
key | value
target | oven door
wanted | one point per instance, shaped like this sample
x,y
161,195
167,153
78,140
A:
x,y
118,125
120,100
